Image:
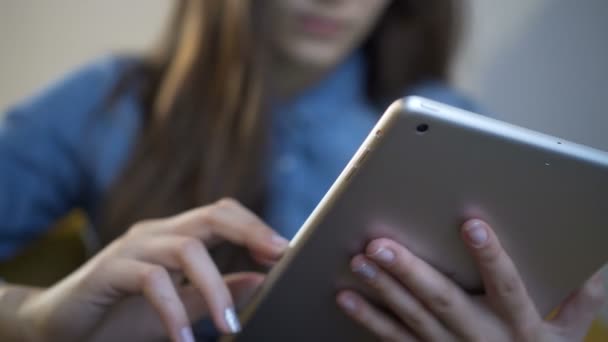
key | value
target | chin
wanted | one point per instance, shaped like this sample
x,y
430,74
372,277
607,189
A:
x,y
317,55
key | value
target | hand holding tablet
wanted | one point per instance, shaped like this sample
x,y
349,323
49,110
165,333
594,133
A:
x,y
424,170
427,306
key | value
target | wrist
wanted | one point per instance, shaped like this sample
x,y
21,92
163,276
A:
x,y
31,318
16,322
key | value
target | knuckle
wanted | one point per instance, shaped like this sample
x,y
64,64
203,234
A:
x,y
207,215
256,229
252,238
490,255
187,247
415,317
507,287
377,243
259,232
122,246
227,202
442,301
378,282
140,227
117,246
152,275
102,266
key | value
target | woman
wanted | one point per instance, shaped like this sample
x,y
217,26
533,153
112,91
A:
x,y
263,104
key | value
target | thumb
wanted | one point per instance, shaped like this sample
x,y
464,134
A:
x,y
579,310
242,287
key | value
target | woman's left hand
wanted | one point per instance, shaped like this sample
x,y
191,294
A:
x,y
427,306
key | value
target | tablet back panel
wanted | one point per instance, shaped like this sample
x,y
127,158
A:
x,y
545,197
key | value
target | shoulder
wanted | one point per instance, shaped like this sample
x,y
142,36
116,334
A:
x,y
78,92
442,92
68,109
68,118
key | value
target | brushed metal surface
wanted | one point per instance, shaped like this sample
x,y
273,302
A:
x,y
545,197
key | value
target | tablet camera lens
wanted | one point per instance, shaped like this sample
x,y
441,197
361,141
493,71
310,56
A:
x,y
422,128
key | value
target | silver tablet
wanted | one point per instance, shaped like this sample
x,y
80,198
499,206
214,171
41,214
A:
x,y
424,169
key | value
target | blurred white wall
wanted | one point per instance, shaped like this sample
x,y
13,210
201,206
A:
x,y
489,26
542,64
41,40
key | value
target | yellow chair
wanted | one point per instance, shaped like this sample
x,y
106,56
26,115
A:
x,y
52,257
598,332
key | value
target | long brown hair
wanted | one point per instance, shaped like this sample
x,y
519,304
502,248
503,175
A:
x,y
203,97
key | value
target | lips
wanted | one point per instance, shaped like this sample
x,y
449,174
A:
x,y
322,27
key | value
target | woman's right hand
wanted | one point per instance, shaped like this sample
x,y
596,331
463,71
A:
x,y
152,259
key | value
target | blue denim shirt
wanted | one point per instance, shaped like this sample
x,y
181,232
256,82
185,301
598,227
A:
x,y
57,153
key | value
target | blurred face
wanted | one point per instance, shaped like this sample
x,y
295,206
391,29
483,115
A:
x,y
319,33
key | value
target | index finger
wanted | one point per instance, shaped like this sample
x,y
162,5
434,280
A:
x,y
503,284
229,220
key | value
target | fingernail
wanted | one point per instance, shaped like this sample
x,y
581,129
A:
x,y
347,303
187,335
280,241
384,255
232,320
366,271
477,234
